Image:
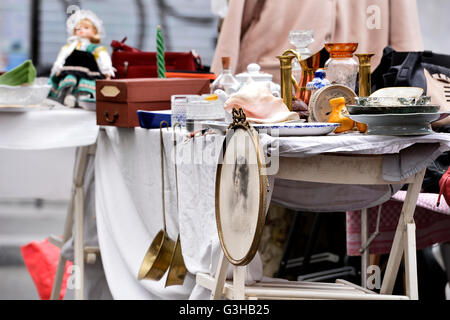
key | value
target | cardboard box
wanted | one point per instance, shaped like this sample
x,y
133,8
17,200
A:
x,y
118,100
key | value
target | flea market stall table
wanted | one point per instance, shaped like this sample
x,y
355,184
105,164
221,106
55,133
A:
x,y
128,196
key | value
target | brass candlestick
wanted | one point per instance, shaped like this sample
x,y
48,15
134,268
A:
x,y
364,74
287,80
364,81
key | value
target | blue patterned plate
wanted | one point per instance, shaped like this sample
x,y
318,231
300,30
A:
x,y
283,128
297,129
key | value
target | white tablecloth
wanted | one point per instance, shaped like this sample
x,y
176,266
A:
x,y
403,157
400,160
47,129
128,198
39,146
129,212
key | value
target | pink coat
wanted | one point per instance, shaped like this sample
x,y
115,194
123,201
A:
x,y
258,30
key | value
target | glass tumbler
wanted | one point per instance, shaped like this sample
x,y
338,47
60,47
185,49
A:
x,y
178,104
203,110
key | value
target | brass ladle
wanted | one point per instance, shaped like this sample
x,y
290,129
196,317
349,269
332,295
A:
x,y
177,268
159,255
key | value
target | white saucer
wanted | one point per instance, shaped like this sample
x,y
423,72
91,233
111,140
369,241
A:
x,y
283,128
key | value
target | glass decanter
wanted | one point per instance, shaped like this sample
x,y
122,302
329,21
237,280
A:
x,y
301,39
225,81
341,68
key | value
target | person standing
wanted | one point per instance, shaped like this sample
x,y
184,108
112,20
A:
x,y
256,31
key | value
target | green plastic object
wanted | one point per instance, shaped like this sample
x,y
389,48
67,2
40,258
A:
x,y
23,74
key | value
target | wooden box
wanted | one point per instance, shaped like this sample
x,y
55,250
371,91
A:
x,y
118,100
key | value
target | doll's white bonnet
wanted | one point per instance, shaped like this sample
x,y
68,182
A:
x,y
79,15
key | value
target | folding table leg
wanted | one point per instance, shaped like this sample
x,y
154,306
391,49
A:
x,y
406,217
395,257
79,243
239,282
412,290
62,261
220,277
76,208
365,254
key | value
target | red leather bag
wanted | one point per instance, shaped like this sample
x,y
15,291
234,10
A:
x,y
133,63
444,185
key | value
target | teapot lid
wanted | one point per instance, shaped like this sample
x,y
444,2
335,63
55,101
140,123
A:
x,y
253,71
319,80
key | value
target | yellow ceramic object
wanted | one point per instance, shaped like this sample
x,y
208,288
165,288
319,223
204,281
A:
x,y
362,127
338,110
212,97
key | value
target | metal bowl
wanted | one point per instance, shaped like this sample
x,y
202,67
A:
x,y
177,269
157,258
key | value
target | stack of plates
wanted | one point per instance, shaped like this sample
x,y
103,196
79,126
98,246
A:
x,y
396,119
398,124
355,109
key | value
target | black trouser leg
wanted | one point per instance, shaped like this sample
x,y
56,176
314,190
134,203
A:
x,y
288,246
310,245
445,251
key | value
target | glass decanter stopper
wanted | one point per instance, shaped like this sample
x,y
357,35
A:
x,y
301,39
341,68
225,81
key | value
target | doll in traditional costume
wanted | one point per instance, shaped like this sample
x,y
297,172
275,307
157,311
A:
x,y
81,61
